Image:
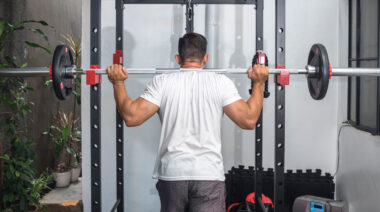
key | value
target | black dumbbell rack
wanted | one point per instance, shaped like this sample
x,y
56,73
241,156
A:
x,y
95,102
241,181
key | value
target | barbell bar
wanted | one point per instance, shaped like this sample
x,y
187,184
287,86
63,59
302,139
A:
x,y
318,71
72,71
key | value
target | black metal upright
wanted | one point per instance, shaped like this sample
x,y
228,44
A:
x,y
349,58
95,104
119,121
259,125
189,16
280,110
378,65
358,55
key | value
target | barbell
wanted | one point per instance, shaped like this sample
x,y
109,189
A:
x,y
318,71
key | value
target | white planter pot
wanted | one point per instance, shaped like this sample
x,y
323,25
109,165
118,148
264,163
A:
x,y
75,172
62,179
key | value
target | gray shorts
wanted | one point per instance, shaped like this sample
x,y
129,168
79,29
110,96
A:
x,y
192,196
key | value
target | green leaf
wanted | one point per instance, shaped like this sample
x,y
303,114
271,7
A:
x,y
10,26
66,132
5,197
18,28
58,148
39,31
3,24
10,61
11,197
3,65
8,175
24,65
76,139
77,96
69,150
43,23
22,203
48,82
11,168
79,101
35,45
31,21
5,157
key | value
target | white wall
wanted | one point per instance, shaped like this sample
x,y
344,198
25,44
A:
x,y
359,170
150,40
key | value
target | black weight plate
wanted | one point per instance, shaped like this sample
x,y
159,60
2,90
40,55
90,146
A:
x,y
318,83
62,83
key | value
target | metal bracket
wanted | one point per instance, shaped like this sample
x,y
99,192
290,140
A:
x,y
189,16
91,77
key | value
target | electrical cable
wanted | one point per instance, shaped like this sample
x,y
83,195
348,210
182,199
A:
x,y
342,125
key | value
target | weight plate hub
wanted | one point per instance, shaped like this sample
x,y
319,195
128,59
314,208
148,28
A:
x,y
62,83
318,83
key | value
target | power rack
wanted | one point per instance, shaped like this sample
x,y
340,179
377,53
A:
x,y
95,102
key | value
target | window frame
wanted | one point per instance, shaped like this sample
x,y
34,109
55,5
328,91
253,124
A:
x,y
356,123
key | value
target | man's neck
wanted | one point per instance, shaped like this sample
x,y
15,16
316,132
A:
x,y
192,65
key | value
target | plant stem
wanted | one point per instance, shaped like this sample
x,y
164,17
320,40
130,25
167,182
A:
x,y
6,112
1,165
73,120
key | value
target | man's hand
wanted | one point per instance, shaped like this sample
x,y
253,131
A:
x,y
258,73
246,114
117,74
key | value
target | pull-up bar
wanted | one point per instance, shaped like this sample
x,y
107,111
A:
x,y
192,1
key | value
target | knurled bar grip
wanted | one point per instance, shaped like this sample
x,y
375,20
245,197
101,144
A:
x,y
41,71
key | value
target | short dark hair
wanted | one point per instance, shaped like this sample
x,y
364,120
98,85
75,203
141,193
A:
x,y
192,47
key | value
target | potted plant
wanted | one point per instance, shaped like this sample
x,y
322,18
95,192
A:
x,y
64,135
40,186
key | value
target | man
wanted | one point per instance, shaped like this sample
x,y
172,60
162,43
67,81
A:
x,y
190,104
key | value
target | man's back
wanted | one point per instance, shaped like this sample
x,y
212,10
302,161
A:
x,y
191,105
191,108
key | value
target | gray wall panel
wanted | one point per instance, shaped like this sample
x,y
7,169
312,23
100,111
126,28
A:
x,y
359,170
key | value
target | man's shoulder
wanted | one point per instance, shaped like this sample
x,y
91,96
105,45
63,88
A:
x,y
224,78
167,76
159,77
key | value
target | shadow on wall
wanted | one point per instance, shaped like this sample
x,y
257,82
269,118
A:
x,y
130,44
237,58
141,143
108,47
177,32
135,86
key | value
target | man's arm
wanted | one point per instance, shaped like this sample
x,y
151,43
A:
x,y
246,114
135,112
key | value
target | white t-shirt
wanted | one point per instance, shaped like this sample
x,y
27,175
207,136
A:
x,y
191,110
